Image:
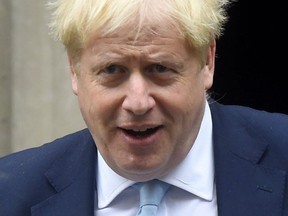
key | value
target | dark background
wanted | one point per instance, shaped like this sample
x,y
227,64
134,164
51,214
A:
x,y
252,57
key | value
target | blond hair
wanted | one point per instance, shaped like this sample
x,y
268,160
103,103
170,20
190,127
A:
x,y
74,21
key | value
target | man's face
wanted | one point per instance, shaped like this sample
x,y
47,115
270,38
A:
x,y
142,100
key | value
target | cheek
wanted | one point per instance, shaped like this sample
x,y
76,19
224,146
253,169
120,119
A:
x,y
98,106
188,104
188,92
87,98
87,108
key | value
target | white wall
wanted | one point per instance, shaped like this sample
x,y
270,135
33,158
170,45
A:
x,y
36,101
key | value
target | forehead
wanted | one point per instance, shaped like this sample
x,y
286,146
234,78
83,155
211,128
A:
x,y
134,32
157,45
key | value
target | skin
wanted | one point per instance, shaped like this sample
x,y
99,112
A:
x,y
154,84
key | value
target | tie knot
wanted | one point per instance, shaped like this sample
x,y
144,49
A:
x,y
151,194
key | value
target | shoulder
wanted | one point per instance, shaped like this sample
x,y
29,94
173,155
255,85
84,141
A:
x,y
42,155
28,167
23,174
250,128
250,118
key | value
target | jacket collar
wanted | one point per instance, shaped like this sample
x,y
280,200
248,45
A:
x,y
244,186
73,178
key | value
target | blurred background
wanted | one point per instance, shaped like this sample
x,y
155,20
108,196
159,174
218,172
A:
x,y
38,106
36,101
251,58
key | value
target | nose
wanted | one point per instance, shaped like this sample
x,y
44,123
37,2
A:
x,y
138,99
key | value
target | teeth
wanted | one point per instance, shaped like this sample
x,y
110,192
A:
x,y
140,130
144,132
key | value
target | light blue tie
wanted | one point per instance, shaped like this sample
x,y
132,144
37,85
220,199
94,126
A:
x,y
151,194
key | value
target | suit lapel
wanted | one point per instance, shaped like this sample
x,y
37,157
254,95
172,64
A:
x,y
243,186
73,178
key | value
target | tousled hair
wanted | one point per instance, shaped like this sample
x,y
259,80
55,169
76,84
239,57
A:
x,y
75,21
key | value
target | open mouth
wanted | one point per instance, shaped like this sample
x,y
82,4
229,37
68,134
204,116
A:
x,y
142,133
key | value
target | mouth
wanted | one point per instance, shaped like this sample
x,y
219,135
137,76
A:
x,y
141,133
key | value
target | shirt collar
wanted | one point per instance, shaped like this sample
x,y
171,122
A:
x,y
109,183
194,174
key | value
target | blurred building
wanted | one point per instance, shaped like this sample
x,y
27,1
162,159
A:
x,y
36,101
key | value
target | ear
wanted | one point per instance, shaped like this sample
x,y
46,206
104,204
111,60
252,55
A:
x,y
73,75
210,65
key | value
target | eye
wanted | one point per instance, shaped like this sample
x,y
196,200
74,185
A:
x,y
111,75
113,69
160,74
158,68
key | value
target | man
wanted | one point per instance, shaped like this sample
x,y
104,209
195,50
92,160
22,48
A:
x,y
141,70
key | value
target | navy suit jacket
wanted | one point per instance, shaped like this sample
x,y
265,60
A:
x,y
251,162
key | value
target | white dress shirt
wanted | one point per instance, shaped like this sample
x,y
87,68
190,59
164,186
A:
x,y
192,192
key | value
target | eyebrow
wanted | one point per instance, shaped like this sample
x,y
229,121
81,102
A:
x,y
163,58
166,59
